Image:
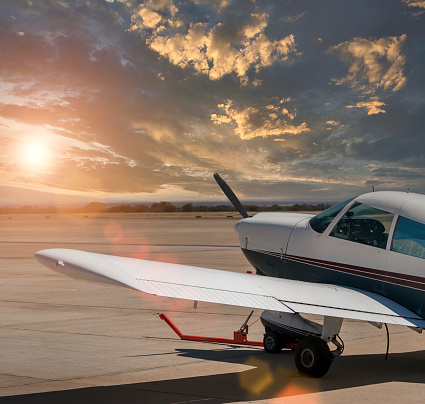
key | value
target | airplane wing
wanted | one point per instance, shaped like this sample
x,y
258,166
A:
x,y
238,289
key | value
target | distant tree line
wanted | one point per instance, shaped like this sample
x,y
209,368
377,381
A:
x,y
161,207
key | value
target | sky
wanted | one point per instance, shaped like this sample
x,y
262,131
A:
x,y
122,100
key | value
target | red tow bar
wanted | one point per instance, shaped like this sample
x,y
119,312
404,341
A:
x,y
239,337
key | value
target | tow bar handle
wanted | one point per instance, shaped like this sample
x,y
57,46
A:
x,y
239,337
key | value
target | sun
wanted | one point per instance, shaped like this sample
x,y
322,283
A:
x,y
35,155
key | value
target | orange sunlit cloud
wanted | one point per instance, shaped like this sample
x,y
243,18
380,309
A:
x,y
140,102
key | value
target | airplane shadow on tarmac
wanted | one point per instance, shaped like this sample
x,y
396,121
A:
x,y
271,376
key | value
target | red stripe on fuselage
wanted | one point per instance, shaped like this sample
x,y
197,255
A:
x,y
377,274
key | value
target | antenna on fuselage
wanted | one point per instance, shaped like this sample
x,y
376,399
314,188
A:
x,y
373,188
231,196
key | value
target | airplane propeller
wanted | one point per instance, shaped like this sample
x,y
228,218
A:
x,y
231,196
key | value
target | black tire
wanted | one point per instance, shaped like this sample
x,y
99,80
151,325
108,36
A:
x,y
272,342
313,357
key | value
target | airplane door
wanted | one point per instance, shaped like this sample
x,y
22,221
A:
x,y
357,265
351,251
406,265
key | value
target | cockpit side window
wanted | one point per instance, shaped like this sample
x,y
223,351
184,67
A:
x,y
409,238
321,221
365,225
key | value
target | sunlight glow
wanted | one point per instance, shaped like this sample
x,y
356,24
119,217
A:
x,y
35,155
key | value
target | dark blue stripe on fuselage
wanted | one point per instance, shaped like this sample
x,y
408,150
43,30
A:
x,y
297,268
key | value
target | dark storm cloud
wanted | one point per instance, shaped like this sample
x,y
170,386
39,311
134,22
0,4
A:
x,y
398,173
137,96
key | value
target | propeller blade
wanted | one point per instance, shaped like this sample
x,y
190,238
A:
x,y
231,196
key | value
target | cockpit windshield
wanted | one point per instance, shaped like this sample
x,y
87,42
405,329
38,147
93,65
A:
x,y
321,221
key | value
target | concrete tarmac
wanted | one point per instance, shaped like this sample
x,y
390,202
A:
x,y
64,340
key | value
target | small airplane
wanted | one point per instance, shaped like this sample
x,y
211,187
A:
x,y
361,259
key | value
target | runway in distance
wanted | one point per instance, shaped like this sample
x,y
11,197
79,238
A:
x,y
361,259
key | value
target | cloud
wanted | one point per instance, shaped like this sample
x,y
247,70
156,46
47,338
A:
x,y
145,97
417,4
414,3
215,49
391,173
373,106
293,18
333,123
373,64
262,121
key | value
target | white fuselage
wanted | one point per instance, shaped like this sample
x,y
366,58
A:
x,y
285,245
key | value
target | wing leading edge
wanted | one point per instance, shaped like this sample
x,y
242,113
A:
x,y
237,289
